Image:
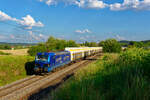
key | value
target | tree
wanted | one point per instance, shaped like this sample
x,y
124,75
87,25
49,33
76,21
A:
x,y
61,44
51,44
101,43
35,49
72,43
93,44
111,46
136,44
5,47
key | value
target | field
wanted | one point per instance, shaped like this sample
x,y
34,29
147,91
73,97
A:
x,y
124,76
16,52
14,67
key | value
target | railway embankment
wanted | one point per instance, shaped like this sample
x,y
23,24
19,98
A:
x,y
123,76
14,67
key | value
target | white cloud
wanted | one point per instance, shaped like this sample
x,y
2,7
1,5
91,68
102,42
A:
x,y
30,37
41,35
33,36
118,37
49,2
83,31
28,22
4,17
37,37
131,4
99,4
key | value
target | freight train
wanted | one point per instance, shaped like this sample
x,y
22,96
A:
x,y
47,61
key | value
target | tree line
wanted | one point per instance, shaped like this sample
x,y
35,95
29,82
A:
x,y
5,47
53,44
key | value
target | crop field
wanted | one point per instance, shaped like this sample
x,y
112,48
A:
x,y
16,52
13,68
124,76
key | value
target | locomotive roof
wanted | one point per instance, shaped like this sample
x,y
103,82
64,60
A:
x,y
62,52
53,53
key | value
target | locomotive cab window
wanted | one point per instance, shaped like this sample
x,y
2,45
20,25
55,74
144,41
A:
x,y
42,57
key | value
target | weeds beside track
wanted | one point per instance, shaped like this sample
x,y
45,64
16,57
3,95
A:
x,y
124,76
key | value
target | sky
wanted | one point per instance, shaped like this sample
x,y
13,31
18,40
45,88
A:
x,y
32,21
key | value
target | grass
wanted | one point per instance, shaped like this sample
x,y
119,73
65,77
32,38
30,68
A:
x,y
13,68
125,76
16,52
3,53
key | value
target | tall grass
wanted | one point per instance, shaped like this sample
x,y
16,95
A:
x,y
13,68
2,53
116,77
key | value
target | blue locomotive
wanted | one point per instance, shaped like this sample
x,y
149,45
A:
x,y
46,62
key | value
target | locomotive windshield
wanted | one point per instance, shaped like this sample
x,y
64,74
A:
x,y
42,57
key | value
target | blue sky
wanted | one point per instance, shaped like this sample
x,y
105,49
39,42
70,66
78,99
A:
x,y
80,20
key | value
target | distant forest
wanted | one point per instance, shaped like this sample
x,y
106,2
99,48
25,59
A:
x,y
145,43
21,44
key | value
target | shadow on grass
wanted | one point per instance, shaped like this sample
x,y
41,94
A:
x,y
29,67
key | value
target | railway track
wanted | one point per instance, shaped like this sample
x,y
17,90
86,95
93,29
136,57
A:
x,y
26,87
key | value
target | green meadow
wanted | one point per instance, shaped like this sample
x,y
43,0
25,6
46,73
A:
x,y
2,53
123,76
13,68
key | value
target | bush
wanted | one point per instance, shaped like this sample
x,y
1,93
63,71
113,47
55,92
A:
x,y
111,46
5,47
35,49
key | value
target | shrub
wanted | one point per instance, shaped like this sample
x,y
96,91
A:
x,y
35,49
111,46
5,47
